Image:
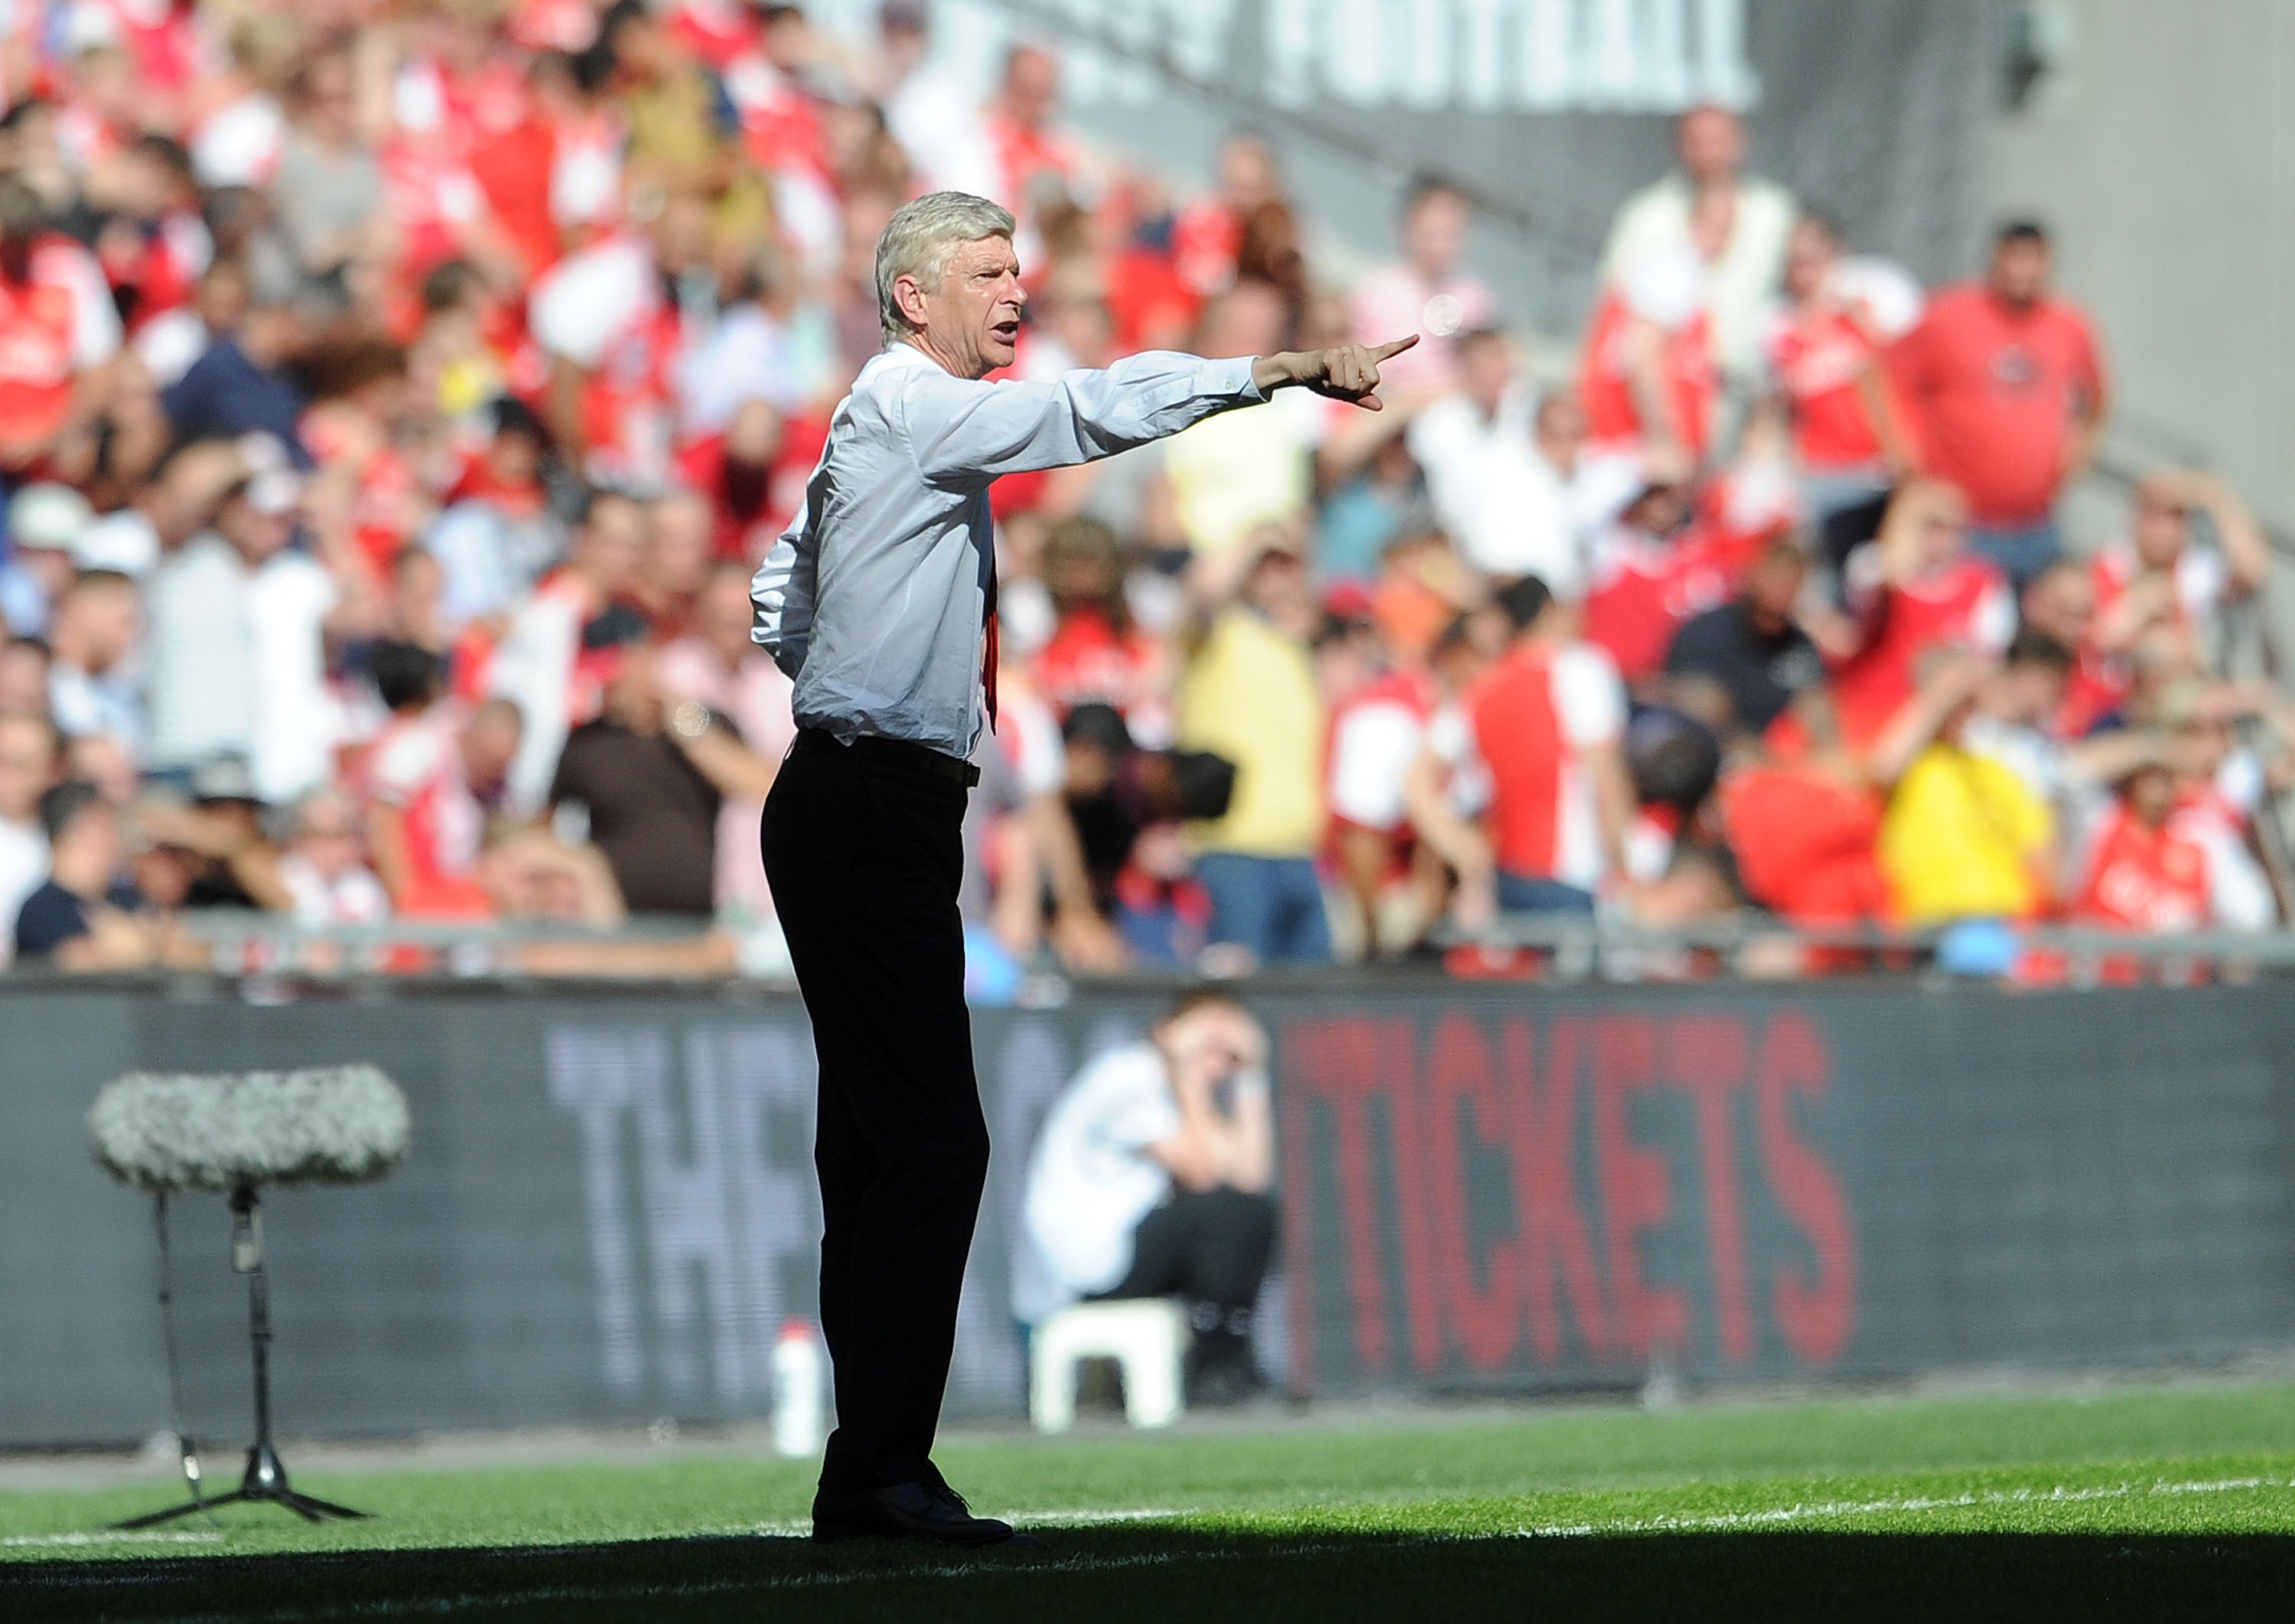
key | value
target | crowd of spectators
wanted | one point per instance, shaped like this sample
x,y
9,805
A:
x,y
395,398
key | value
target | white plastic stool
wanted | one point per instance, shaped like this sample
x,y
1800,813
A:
x,y
1146,1336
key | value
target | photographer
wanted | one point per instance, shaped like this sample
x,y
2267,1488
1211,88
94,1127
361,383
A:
x,y
1150,1179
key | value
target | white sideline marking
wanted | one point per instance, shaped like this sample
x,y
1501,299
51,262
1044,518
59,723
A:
x,y
112,1536
1777,1516
1826,1510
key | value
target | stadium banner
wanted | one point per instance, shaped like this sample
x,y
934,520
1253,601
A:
x,y
1552,111
608,1215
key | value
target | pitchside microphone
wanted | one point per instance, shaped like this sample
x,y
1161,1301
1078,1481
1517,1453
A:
x,y
172,1133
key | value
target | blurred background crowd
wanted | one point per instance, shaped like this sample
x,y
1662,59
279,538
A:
x,y
396,399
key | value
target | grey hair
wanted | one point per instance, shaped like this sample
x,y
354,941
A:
x,y
919,239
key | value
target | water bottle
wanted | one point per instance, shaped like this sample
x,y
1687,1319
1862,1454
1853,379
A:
x,y
800,1384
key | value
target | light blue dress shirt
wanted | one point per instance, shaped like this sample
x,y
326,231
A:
x,y
873,601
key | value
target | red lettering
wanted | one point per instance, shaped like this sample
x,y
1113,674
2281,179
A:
x,y
1815,1316
1394,1051
1543,1136
1636,1195
1709,1059
1335,1060
1459,1071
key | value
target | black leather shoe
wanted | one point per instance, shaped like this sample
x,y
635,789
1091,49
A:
x,y
932,1514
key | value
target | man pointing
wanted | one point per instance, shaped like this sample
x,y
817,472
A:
x,y
880,603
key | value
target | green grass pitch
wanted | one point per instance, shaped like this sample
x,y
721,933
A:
x,y
2153,1502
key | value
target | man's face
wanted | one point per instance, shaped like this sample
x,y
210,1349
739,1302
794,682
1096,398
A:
x,y
677,543
1711,143
327,837
109,615
92,841
1217,1037
2162,528
612,541
1435,234
27,766
1944,535
1774,586
2020,270
23,680
1032,87
1487,367
489,745
971,321
2152,796
2032,693
1809,257
1278,588
2062,602
255,533
1246,174
1561,431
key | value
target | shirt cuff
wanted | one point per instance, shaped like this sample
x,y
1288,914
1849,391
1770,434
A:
x,y
1239,369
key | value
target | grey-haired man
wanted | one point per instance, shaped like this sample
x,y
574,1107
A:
x,y
880,603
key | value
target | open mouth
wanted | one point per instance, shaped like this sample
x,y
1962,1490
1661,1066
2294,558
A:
x,y
1005,332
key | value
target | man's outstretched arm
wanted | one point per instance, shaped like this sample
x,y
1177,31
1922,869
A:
x,y
964,431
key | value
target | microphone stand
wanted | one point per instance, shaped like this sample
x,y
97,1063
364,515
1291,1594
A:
x,y
265,1478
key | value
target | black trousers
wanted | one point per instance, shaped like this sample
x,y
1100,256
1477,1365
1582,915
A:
x,y
864,852
1209,1246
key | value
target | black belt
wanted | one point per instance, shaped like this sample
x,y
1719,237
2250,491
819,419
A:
x,y
904,755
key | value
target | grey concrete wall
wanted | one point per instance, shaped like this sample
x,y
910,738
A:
x,y
2162,150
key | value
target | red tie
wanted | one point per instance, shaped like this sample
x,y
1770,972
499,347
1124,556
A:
x,y
988,647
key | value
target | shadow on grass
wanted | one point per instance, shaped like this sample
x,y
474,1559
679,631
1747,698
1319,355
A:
x,y
1145,1572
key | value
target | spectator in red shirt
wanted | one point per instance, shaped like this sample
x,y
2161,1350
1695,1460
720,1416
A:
x,y
1097,653
434,778
2144,873
1028,148
1822,351
1652,573
2155,581
2007,385
1916,588
1547,723
59,332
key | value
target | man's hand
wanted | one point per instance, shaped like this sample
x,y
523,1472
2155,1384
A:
x,y
1349,372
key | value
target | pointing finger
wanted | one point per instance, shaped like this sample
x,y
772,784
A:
x,y
1387,351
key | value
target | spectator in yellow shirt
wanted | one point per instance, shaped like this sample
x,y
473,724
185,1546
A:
x,y
1971,830
1248,692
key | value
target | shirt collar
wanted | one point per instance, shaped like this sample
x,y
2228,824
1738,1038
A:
x,y
901,353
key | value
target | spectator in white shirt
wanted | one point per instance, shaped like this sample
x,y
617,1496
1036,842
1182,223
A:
x,y
931,113
202,679
44,523
324,867
1150,1179
1711,197
28,767
91,687
1507,482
